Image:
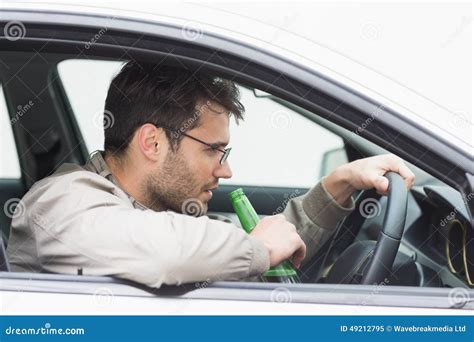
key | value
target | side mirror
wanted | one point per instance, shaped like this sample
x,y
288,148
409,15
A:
x,y
332,159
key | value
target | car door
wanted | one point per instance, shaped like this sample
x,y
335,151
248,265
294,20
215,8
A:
x,y
67,141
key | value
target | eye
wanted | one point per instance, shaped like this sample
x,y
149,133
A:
x,y
211,150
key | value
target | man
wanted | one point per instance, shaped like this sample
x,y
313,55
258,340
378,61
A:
x,y
122,213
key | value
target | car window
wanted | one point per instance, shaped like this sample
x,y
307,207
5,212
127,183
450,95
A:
x,y
86,83
10,165
273,146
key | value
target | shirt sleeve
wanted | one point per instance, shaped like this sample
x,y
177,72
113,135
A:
x,y
315,215
80,223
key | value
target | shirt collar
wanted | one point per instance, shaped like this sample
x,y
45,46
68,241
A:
x,y
97,164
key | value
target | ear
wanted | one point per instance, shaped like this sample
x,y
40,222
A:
x,y
150,141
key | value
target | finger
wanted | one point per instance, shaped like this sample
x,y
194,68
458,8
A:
x,y
407,175
299,255
399,166
381,185
296,261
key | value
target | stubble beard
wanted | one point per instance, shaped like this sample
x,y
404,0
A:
x,y
172,185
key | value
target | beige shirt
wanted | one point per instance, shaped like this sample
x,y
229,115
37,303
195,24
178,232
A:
x,y
79,218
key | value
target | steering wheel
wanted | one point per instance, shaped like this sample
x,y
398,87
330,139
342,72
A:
x,y
369,262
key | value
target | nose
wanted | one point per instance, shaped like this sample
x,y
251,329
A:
x,y
223,171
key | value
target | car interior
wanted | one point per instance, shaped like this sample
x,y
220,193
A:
x,y
435,246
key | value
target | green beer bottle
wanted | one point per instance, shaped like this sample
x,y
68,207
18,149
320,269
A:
x,y
283,273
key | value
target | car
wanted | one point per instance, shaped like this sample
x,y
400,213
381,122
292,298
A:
x,y
56,62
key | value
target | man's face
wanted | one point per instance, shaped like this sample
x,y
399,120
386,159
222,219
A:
x,y
185,180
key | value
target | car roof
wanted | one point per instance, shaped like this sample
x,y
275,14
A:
x,y
198,21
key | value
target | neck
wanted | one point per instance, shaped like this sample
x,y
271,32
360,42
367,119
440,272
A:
x,y
126,177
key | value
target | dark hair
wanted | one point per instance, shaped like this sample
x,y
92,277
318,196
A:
x,y
162,95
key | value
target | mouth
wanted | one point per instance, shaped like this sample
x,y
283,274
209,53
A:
x,y
209,191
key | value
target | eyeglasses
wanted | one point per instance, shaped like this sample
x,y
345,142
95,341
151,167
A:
x,y
225,152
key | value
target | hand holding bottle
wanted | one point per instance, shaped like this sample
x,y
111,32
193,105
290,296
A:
x,y
277,234
281,239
